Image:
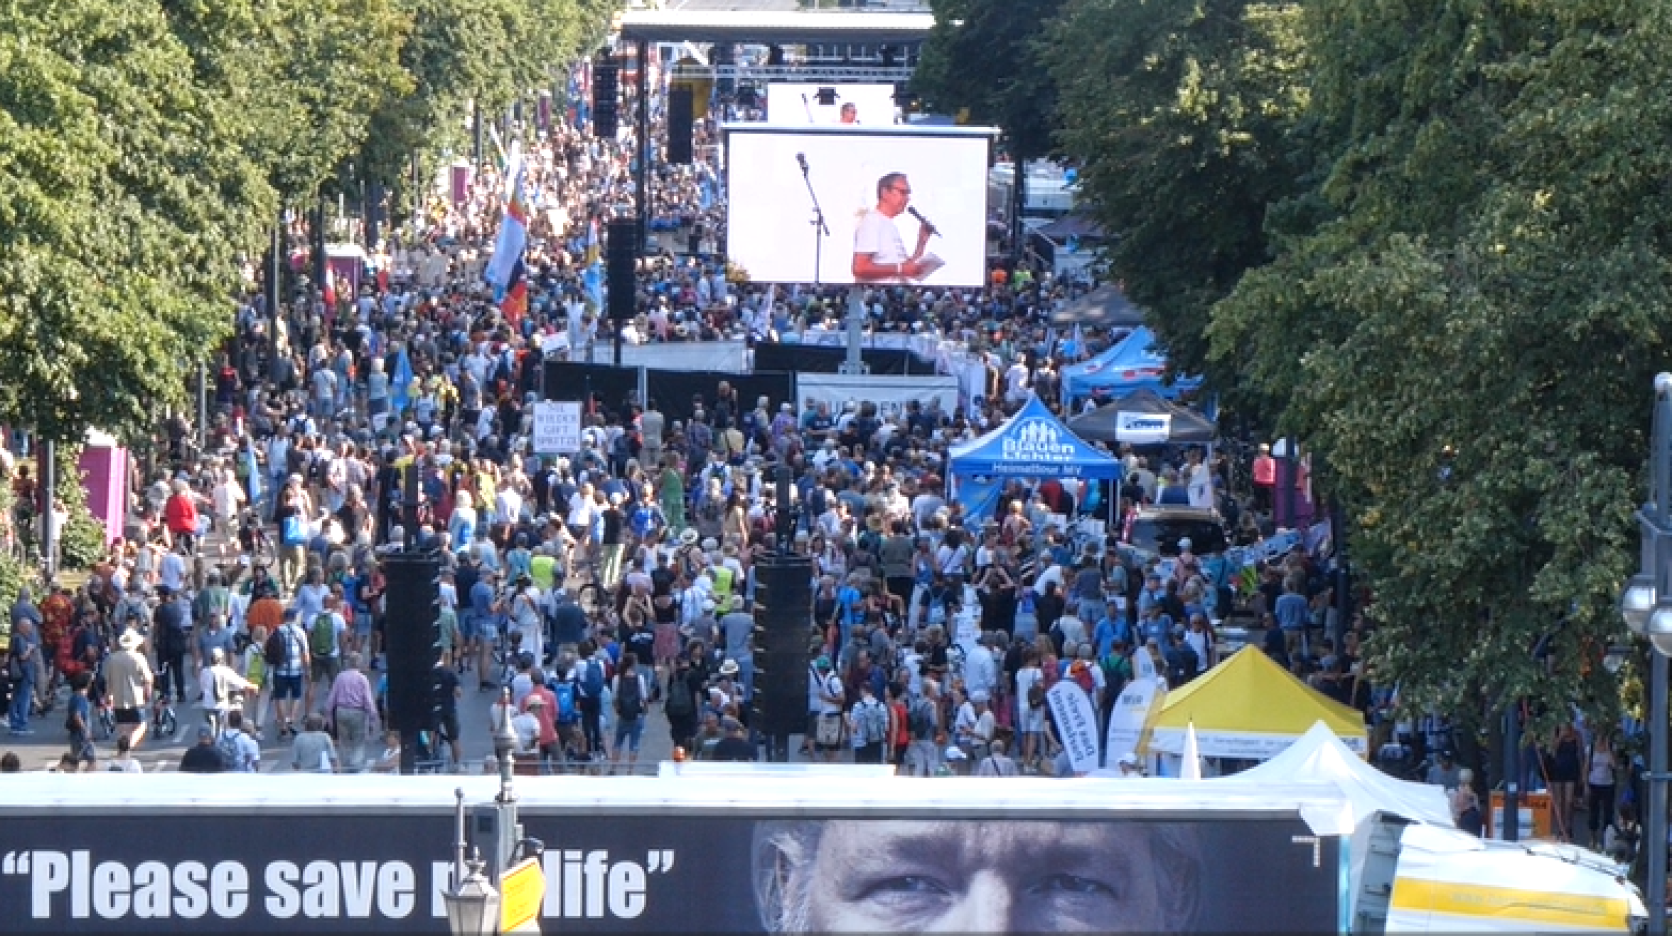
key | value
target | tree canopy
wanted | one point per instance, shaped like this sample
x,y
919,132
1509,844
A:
x,y
146,146
986,58
1428,240
1184,135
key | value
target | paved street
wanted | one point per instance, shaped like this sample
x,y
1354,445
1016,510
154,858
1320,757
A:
x,y
41,750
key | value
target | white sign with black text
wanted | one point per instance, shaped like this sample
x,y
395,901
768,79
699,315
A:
x,y
557,427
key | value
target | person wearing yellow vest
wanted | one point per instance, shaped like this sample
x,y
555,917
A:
x,y
542,567
723,582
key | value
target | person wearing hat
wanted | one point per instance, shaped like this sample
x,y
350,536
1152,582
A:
x,y
737,630
129,684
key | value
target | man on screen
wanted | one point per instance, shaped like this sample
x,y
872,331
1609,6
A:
x,y
879,253
900,876
850,113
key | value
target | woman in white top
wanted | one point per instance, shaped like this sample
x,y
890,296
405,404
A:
x,y
1030,719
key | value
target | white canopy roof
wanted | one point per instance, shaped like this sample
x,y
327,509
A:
x,y
1319,757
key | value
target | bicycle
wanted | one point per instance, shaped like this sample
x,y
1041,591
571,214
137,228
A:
x,y
164,723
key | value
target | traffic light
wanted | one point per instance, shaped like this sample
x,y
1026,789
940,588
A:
x,y
622,274
606,88
783,634
410,637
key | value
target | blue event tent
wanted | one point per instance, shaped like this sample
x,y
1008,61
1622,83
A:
x,y
1131,364
1031,444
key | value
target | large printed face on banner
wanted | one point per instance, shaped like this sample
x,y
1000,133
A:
x,y
865,105
905,207
671,874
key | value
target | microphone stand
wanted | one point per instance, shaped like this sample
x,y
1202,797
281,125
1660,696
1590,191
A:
x,y
820,230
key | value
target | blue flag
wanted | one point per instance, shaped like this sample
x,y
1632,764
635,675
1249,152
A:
x,y
252,471
400,381
592,278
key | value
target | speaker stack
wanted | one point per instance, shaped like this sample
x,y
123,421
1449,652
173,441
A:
x,y
622,273
410,638
783,632
681,118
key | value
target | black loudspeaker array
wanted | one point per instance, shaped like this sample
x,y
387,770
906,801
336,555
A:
x,y
783,630
410,636
606,90
682,114
622,276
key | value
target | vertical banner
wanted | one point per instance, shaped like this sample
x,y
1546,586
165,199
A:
x,y
1076,720
1131,712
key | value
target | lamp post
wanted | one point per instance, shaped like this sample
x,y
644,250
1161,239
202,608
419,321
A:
x,y
472,902
1646,606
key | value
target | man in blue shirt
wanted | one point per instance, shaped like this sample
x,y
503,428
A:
x,y
1293,615
1111,629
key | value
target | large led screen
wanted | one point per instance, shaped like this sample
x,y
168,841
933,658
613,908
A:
x,y
867,105
900,207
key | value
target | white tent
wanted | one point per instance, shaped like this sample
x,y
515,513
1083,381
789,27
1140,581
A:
x,y
1320,757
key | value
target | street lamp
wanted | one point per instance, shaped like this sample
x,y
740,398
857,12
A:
x,y
472,902
1646,606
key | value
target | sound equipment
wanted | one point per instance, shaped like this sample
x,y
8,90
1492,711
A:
x,y
681,117
410,635
622,273
606,90
783,633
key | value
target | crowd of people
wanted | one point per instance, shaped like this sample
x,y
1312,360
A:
x,y
246,605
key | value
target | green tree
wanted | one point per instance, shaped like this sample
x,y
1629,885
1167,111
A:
x,y
1189,129
461,53
124,200
1470,335
986,57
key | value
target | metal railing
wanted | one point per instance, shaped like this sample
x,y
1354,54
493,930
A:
x,y
833,73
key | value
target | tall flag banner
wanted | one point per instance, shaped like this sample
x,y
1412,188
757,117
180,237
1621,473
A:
x,y
592,252
400,382
506,271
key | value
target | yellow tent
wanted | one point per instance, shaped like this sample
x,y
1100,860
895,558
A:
x,y
1249,708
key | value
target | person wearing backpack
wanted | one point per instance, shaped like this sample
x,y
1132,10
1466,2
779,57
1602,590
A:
x,y
566,713
1117,672
684,686
239,752
591,676
631,694
221,689
286,655
923,723
1030,706
326,633
868,725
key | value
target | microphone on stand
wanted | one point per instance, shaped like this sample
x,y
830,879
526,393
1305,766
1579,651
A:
x,y
801,159
933,231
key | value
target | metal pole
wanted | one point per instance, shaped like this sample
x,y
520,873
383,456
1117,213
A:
x,y
202,406
855,363
643,158
476,136
1511,831
1654,837
49,497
